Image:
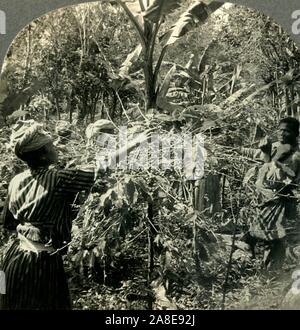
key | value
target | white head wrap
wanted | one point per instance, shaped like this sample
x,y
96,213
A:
x,y
29,137
96,127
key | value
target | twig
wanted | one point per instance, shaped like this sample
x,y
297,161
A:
x,y
60,249
140,111
137,236
231,254
152,225
75,199
122,106
117,128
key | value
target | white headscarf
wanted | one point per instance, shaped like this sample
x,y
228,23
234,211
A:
x,y
29,137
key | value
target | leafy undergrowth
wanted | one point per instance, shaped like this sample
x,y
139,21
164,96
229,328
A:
x,y
249,288
139,243
262,292
257,292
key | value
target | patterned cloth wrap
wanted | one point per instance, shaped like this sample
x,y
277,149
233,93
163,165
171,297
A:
x,y
277,213
30,239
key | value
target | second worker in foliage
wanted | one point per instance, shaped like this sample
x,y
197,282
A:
x,y
275,222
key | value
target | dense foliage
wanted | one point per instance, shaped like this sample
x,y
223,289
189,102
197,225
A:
x,y
152,239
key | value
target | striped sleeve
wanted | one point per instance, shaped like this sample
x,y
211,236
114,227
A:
x,y
72,181
252,153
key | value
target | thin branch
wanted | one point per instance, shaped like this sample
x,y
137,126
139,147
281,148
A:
x,y
137,236
122,106
107,113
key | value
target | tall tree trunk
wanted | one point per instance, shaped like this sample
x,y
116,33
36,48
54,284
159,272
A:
x,y
57,106
209,194
223,191
28,55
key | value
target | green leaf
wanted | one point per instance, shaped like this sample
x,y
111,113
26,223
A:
x,y
205,57
197,14
250,173
169,107
18,114
238,94
142,187
130,60
160,8
161,299
109,195
166,83
208,124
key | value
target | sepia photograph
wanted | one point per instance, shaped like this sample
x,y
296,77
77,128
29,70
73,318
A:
x,y
150,160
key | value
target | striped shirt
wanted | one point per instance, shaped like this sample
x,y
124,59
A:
x,y
42,199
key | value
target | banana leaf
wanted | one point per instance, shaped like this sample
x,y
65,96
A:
x,y
130,60
160,8
197,14
167,81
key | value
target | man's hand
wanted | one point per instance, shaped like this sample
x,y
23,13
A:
x,y
265,145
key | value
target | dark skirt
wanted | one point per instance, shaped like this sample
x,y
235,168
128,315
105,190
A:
x,y
34,281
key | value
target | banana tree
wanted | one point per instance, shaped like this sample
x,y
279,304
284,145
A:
x,y
147,16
